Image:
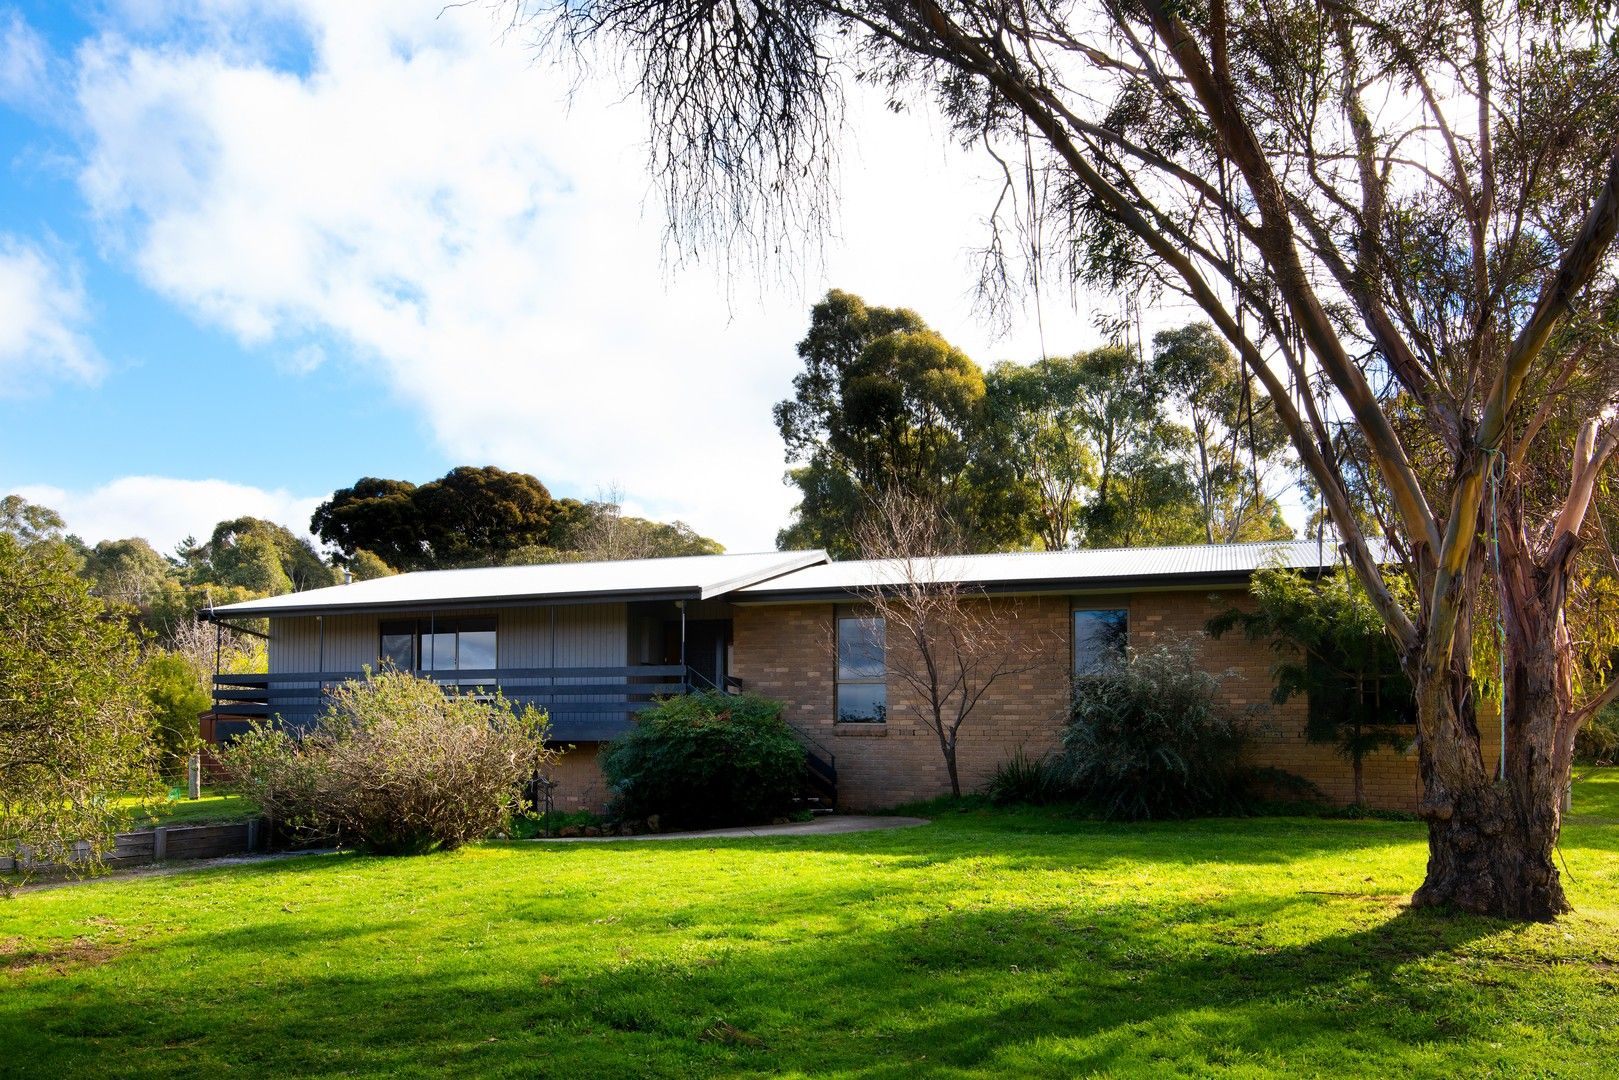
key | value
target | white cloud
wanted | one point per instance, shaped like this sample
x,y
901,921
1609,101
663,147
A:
x,y
42,313
423,195
24,60
166,510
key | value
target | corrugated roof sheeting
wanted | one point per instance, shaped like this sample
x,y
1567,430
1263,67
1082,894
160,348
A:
x,y
1090,568
768,575
695,577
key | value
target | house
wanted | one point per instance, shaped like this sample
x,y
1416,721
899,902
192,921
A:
x,y
594,643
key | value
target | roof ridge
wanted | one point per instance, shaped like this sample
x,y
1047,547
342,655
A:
x,y
601,562
1096,551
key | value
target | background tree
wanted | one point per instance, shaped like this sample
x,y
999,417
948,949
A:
x,y
1035,425
606,532
486,517
1400,218
828,501
260,556
1237,446
884,401
471,515
1143,494
128,572
375,515
1331,647
74,730
948,643
365,566
30,523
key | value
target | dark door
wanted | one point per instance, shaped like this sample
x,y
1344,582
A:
x,y
706,642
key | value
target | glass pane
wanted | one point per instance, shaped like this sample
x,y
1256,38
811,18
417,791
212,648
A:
x,y
860,648
1099,639
862,703
438,652
477,650
399,650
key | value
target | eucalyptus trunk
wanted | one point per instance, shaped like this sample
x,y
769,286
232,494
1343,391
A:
x,y
1492,831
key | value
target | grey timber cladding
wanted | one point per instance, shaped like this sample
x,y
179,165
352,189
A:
x,y
587,635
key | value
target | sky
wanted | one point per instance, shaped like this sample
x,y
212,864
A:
x,y
253,250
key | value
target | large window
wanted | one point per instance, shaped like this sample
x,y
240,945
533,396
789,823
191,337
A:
x,y
862,670
439,644
1100,635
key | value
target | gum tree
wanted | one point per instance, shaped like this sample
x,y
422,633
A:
x,y
75,731
1400,217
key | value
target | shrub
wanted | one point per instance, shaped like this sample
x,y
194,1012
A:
x,y
1036,781
706,759
75,733
1148,738
396,765
176,698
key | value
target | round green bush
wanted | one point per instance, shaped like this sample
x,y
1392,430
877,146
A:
x,y
1149,738
704,760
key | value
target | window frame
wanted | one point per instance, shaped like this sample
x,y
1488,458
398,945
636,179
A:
x,y
434,627
1074,611
840,615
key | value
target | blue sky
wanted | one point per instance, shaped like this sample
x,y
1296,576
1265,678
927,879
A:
x,y
256,249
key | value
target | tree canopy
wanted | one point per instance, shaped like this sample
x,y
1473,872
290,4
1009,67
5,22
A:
x,y
75,733
485,516
468,515
885,403
1103,448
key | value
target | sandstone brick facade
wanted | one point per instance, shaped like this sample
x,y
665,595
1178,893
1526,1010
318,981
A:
x,y
579,781
788,651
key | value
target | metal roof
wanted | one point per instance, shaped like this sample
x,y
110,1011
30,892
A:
x,y
1054,571
688,577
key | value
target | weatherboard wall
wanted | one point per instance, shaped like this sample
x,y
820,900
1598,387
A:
x,y
585,635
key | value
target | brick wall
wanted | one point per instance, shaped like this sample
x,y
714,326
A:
x,y
580,785
787,652
1278,731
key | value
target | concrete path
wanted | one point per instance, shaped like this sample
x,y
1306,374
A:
x,y
821,826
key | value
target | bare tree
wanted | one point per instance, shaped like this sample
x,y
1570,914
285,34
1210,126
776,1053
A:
x,y
948,642
1400,217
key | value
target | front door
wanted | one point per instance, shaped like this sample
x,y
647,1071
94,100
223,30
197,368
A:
x,y
706,643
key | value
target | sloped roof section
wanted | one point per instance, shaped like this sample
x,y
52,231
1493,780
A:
x,y
1054,571
689,577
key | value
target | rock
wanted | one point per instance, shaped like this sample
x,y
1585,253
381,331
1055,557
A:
x,y
592,830
570,830
629,828
652,822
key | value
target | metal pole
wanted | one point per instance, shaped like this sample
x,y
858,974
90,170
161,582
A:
x,y
681,604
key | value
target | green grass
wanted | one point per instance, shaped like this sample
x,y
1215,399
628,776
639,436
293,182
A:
x,y
214,807
990,943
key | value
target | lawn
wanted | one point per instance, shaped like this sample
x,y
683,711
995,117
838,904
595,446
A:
x,y
989,943
213,807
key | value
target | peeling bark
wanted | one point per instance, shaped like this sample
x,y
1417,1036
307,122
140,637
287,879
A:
x,y
1492,841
